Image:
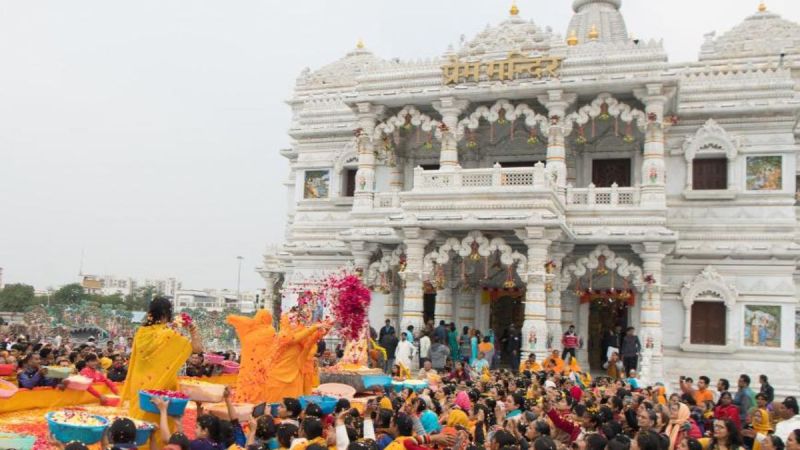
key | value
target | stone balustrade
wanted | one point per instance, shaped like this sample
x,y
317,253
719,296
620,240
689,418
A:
x,y
525,178
613,196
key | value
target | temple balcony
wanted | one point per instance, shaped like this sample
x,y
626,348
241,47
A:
x,y
595,198
496,178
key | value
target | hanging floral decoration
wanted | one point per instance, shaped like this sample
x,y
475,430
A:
x,y
581,139
343,295
610,295
533,139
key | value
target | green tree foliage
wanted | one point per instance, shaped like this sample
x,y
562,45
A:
x,y
16,297
70,294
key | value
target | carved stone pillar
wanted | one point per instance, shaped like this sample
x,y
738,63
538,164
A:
x,y
654,97
534,326
368,115
450,109
466,308
557,102
554,330
396,181
651,364
362,254
444,306
415,240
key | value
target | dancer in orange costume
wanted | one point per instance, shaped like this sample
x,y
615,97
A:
x,y
258,339
310,371
285,377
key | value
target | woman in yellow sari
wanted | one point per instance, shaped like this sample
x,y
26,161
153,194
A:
x,y
156,357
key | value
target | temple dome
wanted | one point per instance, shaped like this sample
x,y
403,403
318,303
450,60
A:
x,y
514,35
600,16
344,71
763,34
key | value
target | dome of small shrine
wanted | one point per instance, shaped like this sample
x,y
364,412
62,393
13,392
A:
x,y
764,33
344,71
514,35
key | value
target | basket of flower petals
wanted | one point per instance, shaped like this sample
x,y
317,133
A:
x,y
201,391
177,401
230,367
77,382
72,425
241,411
58,372
110,400
7,389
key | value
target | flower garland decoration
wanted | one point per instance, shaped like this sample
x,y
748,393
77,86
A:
x,y
343,294
349,304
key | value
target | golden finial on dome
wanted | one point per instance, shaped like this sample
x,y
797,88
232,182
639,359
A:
x,y
514,10
360,43
593,33
572,40
762,7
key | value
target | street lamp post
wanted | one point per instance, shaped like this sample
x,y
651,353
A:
x,y
239,282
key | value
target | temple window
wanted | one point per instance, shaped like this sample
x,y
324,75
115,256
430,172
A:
x,y
710,173
710,163
349,182
708,322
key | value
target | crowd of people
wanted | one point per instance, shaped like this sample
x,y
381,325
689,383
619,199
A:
x,y
478,402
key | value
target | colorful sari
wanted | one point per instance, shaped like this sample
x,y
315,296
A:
x,y
156,357
452,341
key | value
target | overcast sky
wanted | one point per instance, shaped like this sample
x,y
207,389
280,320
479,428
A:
x,y
146,133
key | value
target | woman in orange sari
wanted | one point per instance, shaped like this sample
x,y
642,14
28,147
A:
x,y
285,376
156,357
257,336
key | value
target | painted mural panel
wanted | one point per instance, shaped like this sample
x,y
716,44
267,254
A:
x,y
797,328
762,326
317,184
764,173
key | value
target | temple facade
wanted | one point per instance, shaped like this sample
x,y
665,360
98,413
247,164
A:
x,y
539,180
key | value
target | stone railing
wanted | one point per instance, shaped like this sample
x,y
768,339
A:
x,y
610,196
386,200
494,177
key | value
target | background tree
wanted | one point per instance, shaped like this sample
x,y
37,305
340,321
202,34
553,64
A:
x,y
70,294
139,300
16,297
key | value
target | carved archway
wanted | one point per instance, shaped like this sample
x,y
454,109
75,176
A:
x,y
380,271
711,140
475,246
606,107
502,110
408,116
707,286
619,265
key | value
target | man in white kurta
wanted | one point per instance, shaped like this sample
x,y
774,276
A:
x,y
405,352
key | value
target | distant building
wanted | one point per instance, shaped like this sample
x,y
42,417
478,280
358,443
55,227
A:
x,y
213,300
111,285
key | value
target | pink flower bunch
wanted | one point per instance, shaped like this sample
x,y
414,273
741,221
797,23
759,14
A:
x,y
183,320
349,303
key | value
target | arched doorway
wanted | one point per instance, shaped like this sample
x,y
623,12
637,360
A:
x,y
606,287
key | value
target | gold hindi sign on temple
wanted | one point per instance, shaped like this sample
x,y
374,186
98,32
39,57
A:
x,y
505,69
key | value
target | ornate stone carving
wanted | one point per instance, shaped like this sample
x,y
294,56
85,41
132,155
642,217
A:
x,y
708,281
619,265
711,138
